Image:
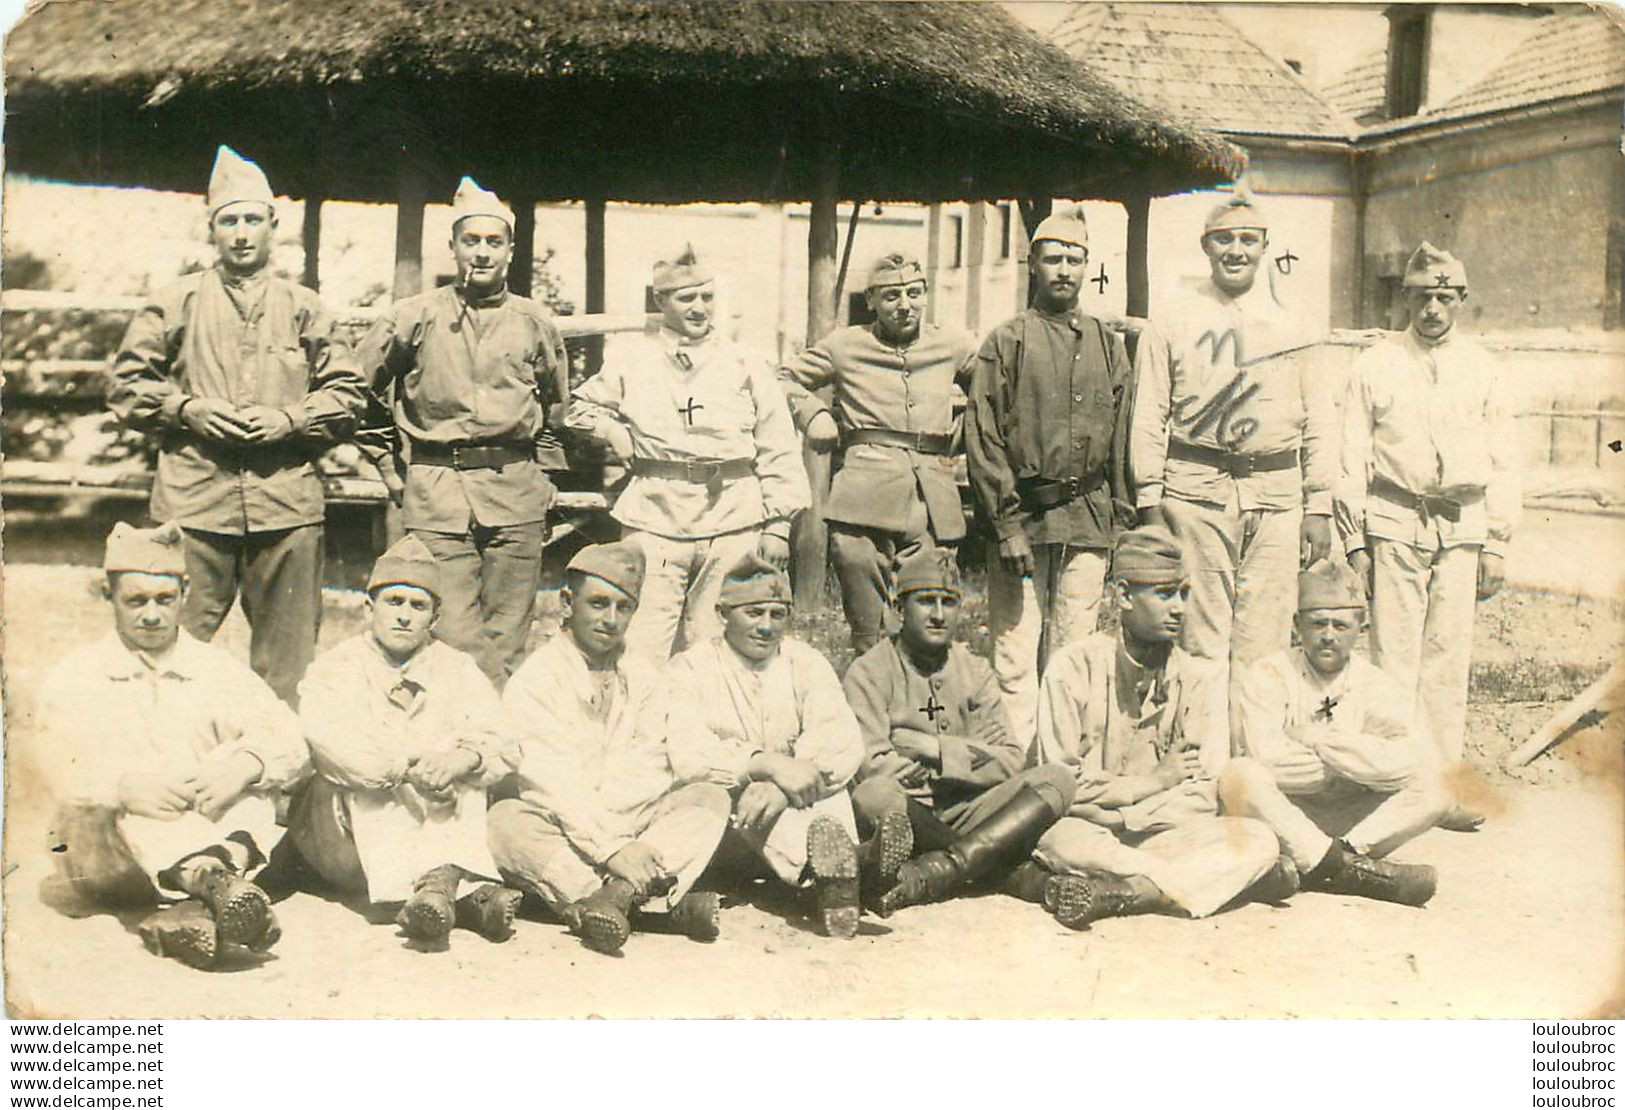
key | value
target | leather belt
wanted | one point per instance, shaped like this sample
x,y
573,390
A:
x,y
701,471
926,443
470,456
1039,495
1235,463
1427,504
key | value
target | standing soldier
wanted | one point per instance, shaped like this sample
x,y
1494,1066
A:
x,y
1428,497
246,382
716,468
1234,445
474,368
893,416
1045,436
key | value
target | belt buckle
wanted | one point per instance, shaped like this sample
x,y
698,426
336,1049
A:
x,y
1238,464
694,471
1073,485
457,458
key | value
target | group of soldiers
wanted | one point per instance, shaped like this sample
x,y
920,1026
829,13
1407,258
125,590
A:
x,y
1192,756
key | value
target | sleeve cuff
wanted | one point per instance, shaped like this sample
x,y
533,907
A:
x,y
1318,503
779,528
1354,543
954,757
171,407
604,851
1148,497
298,420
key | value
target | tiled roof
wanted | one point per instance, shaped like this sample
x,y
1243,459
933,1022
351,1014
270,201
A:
x,y
1575,51
1361,91
1190,62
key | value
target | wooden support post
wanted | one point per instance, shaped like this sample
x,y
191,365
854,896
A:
x,y
595,278
411,194
810,540
1139,261
522,266
976,246
933,257
310,238
1600,697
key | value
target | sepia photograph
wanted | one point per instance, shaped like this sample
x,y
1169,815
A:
x,y
813,509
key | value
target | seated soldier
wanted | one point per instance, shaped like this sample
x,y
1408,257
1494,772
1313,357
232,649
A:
x,y
406,733
764,717
942,768
1333,762
165,754
1145,727
600,828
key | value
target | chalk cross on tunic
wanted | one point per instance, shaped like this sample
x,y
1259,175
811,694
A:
x,y
689,410
1324,713
1100,279
932,707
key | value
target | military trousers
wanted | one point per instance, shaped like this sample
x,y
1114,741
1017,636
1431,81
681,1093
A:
x,y
1200,865
682,581
1306,813
879,795
534,853
863,565
1422,605
489,577
278,575
1058,604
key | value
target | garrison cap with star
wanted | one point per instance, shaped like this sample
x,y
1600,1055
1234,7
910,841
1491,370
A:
x,y
235,179
754,580
895,268
160,550
1329,584
1237,211
1148,556
1066,226
472,200
620,564
680,273
1432,268
927,567
407,562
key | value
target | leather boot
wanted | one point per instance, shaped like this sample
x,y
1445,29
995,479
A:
x,y
885,852
833,859
185,932
1345,871
601,918
488,910
697,915
1004,839
1461,819
431,912
241,911
1276,885
1076,900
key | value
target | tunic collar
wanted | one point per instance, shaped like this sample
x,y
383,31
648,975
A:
x,y
670,340
122,664
491,301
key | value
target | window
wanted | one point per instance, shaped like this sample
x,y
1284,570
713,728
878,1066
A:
x,y
958,224
1407,60
1004,229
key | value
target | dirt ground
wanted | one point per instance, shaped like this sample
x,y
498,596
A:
x,y
1529,920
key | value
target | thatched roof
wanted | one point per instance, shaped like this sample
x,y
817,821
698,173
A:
x,y
642,101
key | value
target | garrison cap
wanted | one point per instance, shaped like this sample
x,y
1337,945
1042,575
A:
x,y
928,567
895,268
1067,226
1236,211
1329,584
1149,555
681,272
620,564
471,200
159,550
753,579
1432,268
233,179
408,562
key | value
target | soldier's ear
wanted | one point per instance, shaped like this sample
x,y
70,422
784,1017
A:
x,y
1120,594
565,596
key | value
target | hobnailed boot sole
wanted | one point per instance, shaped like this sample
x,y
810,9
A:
x,y
187,935
242,913
489,911
603,929
428,917
1070,899
834,861
894,845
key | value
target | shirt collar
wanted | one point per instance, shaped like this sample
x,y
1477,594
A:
x,y
1070,317
470,301
1333,686
1427,344
671,341
184,661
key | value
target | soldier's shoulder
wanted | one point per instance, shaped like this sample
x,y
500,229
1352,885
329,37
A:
x,y
1084,655
531,308
875,662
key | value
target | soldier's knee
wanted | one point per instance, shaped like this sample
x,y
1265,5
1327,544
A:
x,y
852,548
709,797
1055,783
1242,780
877,796
505,827
1250,839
